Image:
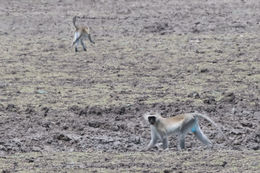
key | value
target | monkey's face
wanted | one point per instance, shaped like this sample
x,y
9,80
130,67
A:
x,y
152,120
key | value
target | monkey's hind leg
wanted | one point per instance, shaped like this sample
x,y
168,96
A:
x,y
75,41
76,47
200,135
165,143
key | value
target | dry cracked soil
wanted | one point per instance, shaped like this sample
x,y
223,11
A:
x,y
62,111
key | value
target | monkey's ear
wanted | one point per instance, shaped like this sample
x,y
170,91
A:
x,y
157,114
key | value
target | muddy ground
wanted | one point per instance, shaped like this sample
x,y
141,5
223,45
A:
x,y
67,111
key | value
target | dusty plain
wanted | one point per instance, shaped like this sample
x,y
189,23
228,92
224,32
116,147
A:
x,y
62,111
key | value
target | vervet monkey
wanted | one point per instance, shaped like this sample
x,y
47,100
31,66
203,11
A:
x,y
180,124
80,34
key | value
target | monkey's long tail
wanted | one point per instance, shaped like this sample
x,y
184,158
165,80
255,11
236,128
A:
x,y
211,121
74,22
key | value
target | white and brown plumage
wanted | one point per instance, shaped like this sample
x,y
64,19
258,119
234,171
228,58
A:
x,y
80,34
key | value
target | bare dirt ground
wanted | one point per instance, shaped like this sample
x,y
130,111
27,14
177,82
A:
x,y
62,111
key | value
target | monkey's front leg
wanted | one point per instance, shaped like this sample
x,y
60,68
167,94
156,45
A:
x,y
83,45
152,143
154,138
89,37
165,143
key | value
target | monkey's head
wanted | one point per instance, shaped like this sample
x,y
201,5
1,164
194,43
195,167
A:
x,y
152,120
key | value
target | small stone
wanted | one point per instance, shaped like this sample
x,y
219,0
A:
x,y
224,164
194,95
204,70
63,137
41,92
228,97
